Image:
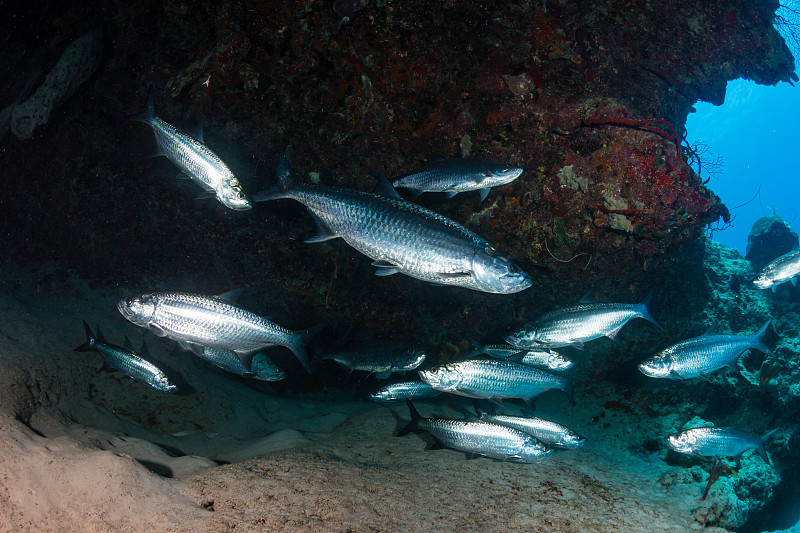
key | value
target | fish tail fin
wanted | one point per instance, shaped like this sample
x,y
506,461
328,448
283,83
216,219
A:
x,y
415,418
90,340
760,334
149,113
764,438
282,189
645,309
299,349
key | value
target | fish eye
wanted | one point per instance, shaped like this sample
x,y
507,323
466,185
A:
x,y
240,196
514,269
129,302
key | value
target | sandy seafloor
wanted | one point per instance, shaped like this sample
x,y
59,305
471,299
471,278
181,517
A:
x,y
79,449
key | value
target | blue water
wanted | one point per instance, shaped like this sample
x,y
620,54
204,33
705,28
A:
x,y
756,133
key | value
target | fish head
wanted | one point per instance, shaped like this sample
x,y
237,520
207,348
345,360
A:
x,y
533,451
525,337
763,280
682,442
658,366
556,361
496,274
162,383
572,441
231,195
411,359
444,378
502,172
139,309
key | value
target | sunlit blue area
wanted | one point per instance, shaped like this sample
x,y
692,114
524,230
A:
x,y
756,134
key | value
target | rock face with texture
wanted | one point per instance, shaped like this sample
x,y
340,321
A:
x,y
770,237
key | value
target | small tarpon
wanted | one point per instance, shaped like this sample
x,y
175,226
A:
x,y
550,433
784,268
702,355
211,321
718,442
479,438
381,358
127,361
494,379
196,160
541,357
581,323
452,176
400,236
404,390
263,369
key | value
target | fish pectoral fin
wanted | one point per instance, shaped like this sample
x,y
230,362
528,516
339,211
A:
x,y
484,193
324,233
455,275
196,349
206,195
578,345
496,401
437,446
157,330
385,268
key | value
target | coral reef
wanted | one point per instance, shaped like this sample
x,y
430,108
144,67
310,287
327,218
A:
x,y
770,237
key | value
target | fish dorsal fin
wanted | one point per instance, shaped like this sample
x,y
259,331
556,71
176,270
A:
x,y
197,132
100,337
437,158
450,194
128,345
231,296
324,233
145,351
587,298
709,332
385,187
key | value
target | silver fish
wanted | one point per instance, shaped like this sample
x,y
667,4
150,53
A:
x,y
481,438
784,268
404,390
718,442
263,369
196,160
127,361
577,324
550,433
380,357
402,237
702,355
212,322
540,357
452,176
494,379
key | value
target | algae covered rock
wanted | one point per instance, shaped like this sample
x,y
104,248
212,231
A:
x,y
769,238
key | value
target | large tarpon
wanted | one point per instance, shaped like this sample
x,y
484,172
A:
x,y
404,390
481,438
701,355
539,357
127,361
196,160
494,379
401,236
784,268
718,442
577,324
210,321
263,369
452,176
